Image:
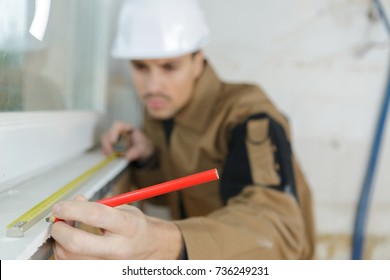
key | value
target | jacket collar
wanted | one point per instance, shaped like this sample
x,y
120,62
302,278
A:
x,y
197,112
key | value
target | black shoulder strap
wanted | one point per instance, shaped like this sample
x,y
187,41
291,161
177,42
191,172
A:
x,y
237,170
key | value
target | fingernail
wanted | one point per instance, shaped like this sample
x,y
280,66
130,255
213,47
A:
x,y
56,208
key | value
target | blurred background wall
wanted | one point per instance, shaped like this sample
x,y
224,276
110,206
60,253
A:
x,y
324,63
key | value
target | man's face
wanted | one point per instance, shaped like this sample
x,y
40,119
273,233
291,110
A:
x,y
165,86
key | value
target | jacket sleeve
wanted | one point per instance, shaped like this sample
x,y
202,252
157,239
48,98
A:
x,y
262,217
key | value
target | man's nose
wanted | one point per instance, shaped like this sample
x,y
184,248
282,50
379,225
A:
x,y
154,83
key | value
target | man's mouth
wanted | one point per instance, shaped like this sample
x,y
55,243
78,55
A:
x,y
156,102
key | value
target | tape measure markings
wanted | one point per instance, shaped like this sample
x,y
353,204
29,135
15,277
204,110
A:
x,y
42,209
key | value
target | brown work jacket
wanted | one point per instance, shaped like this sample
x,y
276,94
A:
x,y
248,214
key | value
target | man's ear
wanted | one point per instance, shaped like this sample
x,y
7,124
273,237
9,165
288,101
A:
x,y
198,63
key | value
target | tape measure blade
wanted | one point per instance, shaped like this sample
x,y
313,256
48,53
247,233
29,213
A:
x,y
37,213
15,231
19,226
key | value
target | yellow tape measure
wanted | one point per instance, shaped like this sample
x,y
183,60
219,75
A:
x,y
41,210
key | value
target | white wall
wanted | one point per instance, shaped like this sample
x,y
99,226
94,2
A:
x,y
324,64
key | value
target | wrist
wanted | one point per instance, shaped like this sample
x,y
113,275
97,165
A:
x,y
148,162
168,240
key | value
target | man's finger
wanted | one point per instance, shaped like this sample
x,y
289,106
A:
x,y
132,153
73,243
80,197
92,214
117,129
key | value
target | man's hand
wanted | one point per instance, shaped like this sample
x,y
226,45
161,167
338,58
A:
x,y
126,233
141,147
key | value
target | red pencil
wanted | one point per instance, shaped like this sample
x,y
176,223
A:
x,y
159,189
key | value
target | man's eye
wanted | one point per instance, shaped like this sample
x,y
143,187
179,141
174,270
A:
x,y
169,67
139,66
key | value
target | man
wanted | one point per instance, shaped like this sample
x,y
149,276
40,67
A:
x,y
261,206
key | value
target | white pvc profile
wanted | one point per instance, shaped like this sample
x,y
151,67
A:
x,y
41,17
32,142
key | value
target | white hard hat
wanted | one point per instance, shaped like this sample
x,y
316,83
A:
x,y
150,29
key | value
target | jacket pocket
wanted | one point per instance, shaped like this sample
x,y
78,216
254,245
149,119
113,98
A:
x,y
264,169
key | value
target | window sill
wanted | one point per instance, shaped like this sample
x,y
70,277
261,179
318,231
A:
x,y
22,197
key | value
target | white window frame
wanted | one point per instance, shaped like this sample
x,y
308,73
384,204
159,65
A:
x,y
34,146
39,152
32,142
